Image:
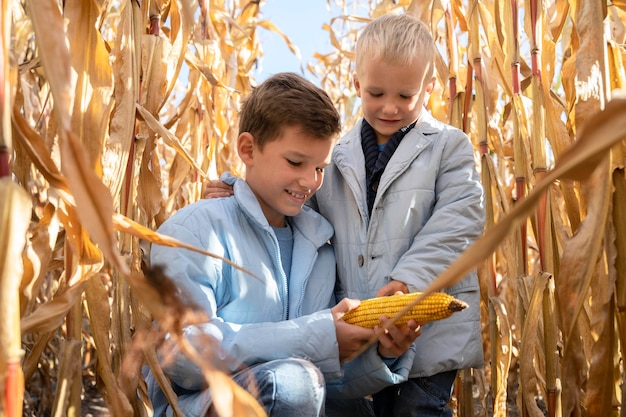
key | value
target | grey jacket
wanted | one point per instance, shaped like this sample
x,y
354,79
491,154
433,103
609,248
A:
x,y
428,210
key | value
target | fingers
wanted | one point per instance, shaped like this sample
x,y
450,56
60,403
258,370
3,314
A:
x,y
393,287
397,340
344,306
215,189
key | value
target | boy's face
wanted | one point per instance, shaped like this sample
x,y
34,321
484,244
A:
x,y
286,172
392,96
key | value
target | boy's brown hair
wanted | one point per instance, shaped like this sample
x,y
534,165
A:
x,y
287,99
396,39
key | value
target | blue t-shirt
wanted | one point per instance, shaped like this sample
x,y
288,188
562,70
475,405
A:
x,y
285,242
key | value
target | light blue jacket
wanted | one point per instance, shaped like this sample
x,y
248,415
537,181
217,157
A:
x,y
428,210
261,318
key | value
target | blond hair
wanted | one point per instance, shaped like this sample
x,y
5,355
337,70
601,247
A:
x,y
396,39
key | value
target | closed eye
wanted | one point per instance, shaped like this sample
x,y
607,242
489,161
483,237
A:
x,y
294,163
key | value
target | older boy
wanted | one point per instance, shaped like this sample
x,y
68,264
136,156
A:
x,y
277,325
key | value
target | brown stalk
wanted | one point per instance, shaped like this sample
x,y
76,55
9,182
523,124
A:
x,y
5,90
519,121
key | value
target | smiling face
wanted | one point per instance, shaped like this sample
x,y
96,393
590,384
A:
x,y
392,95
284,173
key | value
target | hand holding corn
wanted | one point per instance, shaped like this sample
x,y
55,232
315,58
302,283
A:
x,y
435,306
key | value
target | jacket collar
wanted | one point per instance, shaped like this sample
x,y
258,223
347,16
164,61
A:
x,y
348,150
308,223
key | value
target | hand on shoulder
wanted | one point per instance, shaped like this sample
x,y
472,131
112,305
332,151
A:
x,y
216,189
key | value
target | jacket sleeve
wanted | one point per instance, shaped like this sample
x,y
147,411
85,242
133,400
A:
x,y
368,373
198,276
244,345
457,217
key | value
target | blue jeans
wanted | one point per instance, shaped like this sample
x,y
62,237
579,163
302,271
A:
x,y
286,387
417,397
360,407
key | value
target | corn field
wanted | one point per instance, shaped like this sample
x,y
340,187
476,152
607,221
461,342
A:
x,y
114,113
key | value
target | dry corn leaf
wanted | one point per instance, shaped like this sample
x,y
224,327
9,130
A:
x,y
230,399
604,375
154,73
38,256
169,138
502,353
68,365
15,212
148,187
93,200
49,28
181,18
124,224
292,47
590,90
7,77
94,80
92,197
588,239
36,148
97,297
119,145
529,362
49,316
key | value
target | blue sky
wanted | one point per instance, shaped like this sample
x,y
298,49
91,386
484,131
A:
x,y
301,21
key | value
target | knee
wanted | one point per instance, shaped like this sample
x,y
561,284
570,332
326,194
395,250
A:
x,y
291,387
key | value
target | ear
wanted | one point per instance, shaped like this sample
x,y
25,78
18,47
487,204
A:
x,y
246,147
431,85
357,84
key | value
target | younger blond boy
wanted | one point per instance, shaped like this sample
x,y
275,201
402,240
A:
x,y
404,197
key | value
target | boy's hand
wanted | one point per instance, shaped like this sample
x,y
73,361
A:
x,y
216,188
350,338
394,287
397,340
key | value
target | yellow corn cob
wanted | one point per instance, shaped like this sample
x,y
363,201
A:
x,y
435,306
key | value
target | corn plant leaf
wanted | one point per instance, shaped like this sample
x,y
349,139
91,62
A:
x,y
68,365
35,147
50,316
604,371
99,309
15,212
38,255
169,138
49,28
122,121
266,24
93,200
503,350
94,80
181,16
124,224
529,363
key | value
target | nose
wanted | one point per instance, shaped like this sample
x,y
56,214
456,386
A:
x,y
311,182
390,107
